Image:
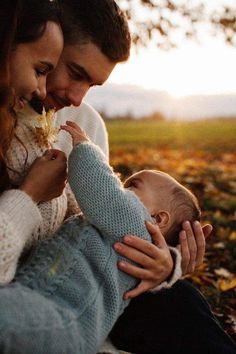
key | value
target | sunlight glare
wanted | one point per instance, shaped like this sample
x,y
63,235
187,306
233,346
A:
x,y
189,70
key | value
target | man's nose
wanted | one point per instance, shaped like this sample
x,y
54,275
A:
x,y
76,94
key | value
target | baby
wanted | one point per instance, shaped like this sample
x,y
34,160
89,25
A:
x,y
168,202
72,278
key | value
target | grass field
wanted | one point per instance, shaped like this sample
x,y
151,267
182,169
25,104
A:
x,y
207,135
201,155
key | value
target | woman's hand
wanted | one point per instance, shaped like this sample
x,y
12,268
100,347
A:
x,y
155,260
192,245
46,178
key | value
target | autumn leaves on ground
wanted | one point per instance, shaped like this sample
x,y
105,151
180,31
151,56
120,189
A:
x,y
202,156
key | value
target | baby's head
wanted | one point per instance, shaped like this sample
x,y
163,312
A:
x,y
167,201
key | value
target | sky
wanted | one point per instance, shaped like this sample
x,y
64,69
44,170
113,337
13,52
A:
x,y
206,68
197,80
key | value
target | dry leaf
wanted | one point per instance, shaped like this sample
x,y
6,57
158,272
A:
x,y
225,285
224,273
232,236
46,131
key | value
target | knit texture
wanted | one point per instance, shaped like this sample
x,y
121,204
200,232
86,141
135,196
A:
x,y
19,218
22,222
78,266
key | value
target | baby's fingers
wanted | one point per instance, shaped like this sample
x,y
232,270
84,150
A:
x,y
77,134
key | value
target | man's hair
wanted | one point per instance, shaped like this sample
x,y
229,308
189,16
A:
x,y
98,21
184,206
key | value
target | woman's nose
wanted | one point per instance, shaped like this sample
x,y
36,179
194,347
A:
x,y
41,91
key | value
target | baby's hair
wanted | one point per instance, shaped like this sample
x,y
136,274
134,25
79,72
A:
x,y
184,206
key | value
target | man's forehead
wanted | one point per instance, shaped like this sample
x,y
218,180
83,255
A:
x,y
90,59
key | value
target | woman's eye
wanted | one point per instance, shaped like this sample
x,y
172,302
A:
x,y
41,72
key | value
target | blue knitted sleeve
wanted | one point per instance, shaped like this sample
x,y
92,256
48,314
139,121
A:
x,y
113,210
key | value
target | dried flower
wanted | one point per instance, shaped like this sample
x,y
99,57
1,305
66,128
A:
x,y
46,131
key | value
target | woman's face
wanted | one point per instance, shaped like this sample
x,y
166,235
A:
x,y
30,64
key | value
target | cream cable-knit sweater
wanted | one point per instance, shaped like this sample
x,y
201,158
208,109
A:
x,y
22,222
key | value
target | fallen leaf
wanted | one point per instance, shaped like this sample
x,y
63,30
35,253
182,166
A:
x,y
224,273
225,285
232,236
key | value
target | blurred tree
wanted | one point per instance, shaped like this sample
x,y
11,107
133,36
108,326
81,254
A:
x,y
168,22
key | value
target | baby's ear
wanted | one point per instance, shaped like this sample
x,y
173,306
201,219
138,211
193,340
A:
x,y
162,218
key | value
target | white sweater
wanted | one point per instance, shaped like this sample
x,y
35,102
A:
x,y
22,222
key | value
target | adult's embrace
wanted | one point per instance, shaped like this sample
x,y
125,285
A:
x,y
83,64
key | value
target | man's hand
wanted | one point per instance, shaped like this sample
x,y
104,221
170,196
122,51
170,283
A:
x,y
46,178
192,245
156,263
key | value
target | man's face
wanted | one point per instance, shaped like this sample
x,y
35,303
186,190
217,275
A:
x,y
80,67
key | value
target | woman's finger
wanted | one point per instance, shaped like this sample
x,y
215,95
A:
x,y
133,254
134,271
156,235
140,289
184,251
200,242
144,246
207,230
191,245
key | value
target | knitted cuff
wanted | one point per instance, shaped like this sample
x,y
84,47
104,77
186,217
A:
x,y
176,274
20,209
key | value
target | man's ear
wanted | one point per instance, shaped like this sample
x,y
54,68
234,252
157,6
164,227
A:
x,y
162,218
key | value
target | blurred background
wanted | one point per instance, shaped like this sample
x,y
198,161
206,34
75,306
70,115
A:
x,y
182,63
172,107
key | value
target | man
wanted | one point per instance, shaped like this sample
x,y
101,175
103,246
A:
x,y
96,39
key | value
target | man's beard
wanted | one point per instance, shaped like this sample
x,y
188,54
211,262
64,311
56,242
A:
x,y
37,105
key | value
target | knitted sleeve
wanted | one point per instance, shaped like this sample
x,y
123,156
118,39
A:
x,y
113,210
19,217
89,120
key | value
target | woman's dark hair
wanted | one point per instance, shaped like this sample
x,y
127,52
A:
x,y
32,16
21,21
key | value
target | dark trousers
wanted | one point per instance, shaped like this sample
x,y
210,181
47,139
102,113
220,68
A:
x,y
176,321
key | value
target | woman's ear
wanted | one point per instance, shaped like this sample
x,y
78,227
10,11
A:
x,y
162,218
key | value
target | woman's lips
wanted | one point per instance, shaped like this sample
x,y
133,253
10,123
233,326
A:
x,y
22,102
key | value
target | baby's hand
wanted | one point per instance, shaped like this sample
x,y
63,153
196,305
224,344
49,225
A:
x,y
78,135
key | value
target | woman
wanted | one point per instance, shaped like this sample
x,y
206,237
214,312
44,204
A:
x,y
31,43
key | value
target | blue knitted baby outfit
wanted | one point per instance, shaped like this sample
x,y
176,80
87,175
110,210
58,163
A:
x,y
69,293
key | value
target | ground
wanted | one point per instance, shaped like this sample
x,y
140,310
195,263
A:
x,y
201,155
